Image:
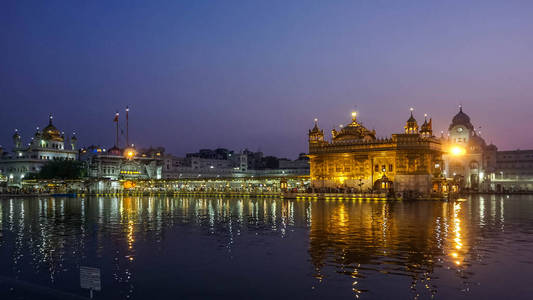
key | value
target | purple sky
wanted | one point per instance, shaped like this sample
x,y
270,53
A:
x,y
234,74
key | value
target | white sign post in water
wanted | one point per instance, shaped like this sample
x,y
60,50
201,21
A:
x,y
90,279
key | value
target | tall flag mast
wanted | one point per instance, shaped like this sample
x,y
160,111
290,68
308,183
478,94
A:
x,y
116,121
127,127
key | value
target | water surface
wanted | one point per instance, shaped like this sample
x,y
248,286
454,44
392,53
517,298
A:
x,y
183,247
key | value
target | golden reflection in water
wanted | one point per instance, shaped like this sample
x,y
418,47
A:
x,y
341,216
387,237
458,243
131,238
131,208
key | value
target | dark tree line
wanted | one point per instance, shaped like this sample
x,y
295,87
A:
x,y
61,169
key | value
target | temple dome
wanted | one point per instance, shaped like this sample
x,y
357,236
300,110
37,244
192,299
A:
x,y
354,131
50,132
114,151
461,119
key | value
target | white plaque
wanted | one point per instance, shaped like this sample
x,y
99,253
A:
x,y
90,278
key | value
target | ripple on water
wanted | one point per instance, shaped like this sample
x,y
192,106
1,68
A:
x,y
270,247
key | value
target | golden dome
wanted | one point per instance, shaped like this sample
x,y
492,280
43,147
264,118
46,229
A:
x,y
354,131
50,132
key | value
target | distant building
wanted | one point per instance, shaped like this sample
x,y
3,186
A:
x,y
356,159
219,153
47,145
510,171
222,163
481,167
128,163
195,167
301,163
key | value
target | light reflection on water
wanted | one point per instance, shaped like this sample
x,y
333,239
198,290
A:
x,y
242,248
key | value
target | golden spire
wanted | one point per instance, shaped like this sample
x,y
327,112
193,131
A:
x,y
411,126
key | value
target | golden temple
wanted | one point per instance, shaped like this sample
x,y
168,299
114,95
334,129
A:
x,y
356,161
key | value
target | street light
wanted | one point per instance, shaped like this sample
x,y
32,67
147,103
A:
x,y
457,151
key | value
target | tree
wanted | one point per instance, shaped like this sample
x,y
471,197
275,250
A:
x,y
62,169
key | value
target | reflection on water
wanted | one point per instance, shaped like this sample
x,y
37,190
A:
x,y
242,248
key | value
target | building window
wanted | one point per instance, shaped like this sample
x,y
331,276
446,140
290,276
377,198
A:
x,y
383,168
390,167
376,168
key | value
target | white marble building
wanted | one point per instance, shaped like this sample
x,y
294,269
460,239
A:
x,y
464,150
46,145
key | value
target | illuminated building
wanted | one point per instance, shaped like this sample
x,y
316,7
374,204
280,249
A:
x,y
46,145
355,159
464,153
118,164
126,163
477,166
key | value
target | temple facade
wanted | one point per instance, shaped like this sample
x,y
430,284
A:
x,y
465,157
46,145
122,164
356,160
479,167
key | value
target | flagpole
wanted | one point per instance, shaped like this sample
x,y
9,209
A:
x,y
127,127
116,121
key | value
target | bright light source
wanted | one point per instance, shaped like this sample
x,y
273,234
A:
x,y
457,151
129,153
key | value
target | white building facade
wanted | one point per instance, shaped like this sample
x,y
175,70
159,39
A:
x,y
47,145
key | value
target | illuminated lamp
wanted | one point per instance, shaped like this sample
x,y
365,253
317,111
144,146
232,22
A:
x,y
129,153
457,151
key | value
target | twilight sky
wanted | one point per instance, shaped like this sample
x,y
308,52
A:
x,y
235,74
